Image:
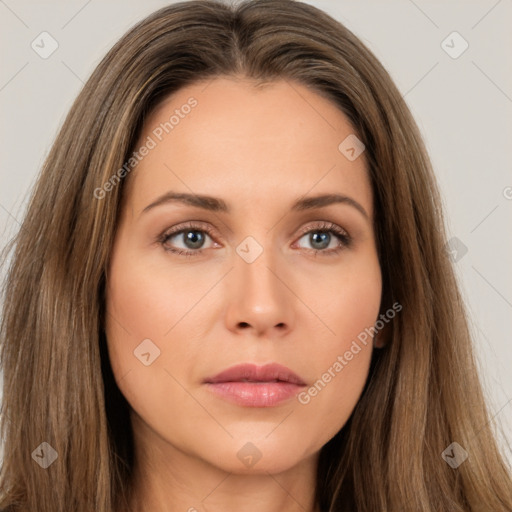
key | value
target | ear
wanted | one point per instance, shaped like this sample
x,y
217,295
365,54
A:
x,y
383,337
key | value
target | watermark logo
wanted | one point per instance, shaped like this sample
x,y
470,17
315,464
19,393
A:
x,y
456,249
146,352
454,455
45,455
454,45
157,135
351,147
249,249
304,397
249,455
44,45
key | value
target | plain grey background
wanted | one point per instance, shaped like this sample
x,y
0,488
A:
x,y
460,97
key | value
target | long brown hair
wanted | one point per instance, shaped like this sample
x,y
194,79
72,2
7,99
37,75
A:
x,y
423,391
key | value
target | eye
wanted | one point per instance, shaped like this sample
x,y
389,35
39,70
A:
x,y
326,238
192,237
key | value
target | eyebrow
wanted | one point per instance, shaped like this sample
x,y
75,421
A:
x,y
215,204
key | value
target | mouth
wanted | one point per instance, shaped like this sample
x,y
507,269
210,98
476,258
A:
x,y
250,385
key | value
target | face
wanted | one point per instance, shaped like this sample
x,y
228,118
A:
x,y
262,281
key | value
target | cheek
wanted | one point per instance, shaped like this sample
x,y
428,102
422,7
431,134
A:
x,y
139,298
350,304
140,307
145,300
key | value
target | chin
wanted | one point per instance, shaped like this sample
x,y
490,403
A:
x,y
259,456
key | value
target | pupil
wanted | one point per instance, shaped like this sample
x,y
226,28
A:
x,y
324,238
195,238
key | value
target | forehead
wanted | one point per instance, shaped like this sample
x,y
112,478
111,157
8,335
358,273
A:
x,y
251,145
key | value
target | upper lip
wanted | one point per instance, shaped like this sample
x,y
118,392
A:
x,y
248,372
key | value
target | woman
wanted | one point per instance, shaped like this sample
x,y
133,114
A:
x,y
303,347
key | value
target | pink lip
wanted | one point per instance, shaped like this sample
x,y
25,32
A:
x,y
250,385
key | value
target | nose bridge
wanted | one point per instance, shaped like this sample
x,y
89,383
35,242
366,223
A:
x,y
256,267
260,299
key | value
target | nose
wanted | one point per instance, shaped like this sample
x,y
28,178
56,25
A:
x,y
261,299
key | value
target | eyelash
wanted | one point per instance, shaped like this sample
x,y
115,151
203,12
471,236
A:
x,y
324,227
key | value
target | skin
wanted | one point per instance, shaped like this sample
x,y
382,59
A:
x,y
259,149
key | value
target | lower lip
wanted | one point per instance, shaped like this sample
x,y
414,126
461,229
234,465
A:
x,y
255,394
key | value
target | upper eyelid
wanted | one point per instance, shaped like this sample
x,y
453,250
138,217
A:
x,y
323,225
201,226
191,225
